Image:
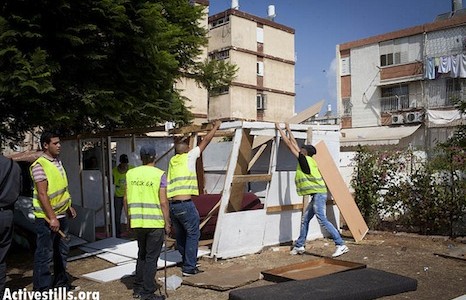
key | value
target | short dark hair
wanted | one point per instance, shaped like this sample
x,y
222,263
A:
x,y
46,137
311,150
124,158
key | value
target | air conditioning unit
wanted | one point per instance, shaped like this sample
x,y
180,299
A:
x,y
397,119
414,117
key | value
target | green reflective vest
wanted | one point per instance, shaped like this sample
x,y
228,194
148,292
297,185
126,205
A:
x,y
181,181
57,189
142,193
119,179
313,183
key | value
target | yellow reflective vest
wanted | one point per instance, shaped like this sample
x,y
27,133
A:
x,y
142,194
313,183
181,181
57,189
119,179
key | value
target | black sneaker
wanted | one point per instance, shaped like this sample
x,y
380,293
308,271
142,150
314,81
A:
x,y
191,273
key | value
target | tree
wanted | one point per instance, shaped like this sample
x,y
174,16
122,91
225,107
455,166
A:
x,y
93,65
215,74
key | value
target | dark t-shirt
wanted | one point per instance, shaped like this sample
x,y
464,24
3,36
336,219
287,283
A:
x,y
12,184
303,164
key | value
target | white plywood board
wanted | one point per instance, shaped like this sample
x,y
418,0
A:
x,y
112,274
127,269
241,233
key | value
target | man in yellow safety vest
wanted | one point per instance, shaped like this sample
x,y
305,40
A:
x,y
182,185
309,181
52,207
146,206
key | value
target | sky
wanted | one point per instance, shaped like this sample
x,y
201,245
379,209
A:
x,y
322,24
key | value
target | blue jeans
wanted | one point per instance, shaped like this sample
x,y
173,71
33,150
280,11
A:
x,y
185,219
317,206
150,241
50,246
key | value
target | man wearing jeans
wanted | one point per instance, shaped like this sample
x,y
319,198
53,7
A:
x,y
52,207
182,184
309,181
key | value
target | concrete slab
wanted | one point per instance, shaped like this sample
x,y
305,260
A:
x,y
225,278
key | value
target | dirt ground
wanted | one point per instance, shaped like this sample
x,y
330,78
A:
x,y
410,255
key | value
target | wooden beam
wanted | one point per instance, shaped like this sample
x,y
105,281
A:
x,y
280,208
299,118
256,156
251,178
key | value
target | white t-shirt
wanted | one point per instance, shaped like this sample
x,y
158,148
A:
x,y
193,155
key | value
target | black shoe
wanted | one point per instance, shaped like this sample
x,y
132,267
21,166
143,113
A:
x,y
191,273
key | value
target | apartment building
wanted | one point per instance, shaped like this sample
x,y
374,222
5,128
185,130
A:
x,y
264,53
399,88
196,96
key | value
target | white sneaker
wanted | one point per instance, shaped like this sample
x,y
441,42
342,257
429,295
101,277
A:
x,y
341,249
297,250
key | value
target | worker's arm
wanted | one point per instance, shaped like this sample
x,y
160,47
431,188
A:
x,y
165,210
45,204
292,139
287,141
206,140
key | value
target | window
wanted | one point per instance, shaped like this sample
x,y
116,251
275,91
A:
x,y
400,51
347,105
345,66
453,91
219,55
260,68
220,91
220,22
261,101
395,98
260,35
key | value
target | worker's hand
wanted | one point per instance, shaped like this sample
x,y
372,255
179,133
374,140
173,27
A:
x,y
277,125
71,212
216,123
54,224
168,229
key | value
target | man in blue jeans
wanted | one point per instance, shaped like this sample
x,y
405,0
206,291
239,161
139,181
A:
x,y
309,181
182,184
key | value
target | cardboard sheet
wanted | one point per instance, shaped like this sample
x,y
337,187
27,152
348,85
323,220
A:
x,y
310,269
340,192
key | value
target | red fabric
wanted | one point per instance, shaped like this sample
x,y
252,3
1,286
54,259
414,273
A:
x,y
204,204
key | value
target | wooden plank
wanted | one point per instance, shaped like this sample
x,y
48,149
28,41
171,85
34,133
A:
x,y
251,178
299,118
241,168
280,208
256,156
340,192
310,269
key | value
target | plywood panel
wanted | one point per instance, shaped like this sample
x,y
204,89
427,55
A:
x,y
340,192
310,269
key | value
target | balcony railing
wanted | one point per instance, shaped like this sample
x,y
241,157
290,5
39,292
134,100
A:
x,y
394,103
